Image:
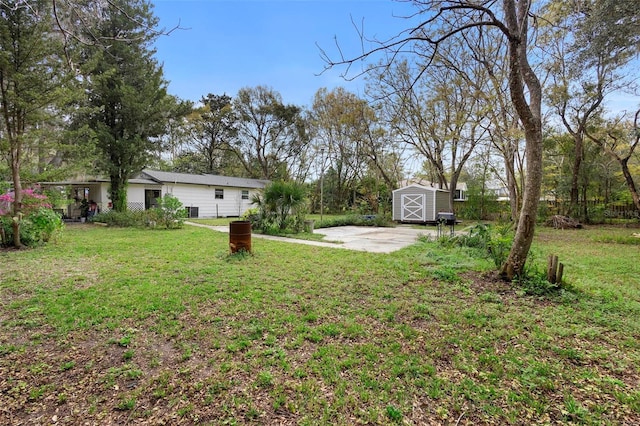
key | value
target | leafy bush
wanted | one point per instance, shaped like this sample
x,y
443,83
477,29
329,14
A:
x,y
170,213
126,219
356,220
495,241
480,204
38,227
281,206
38,222
534,282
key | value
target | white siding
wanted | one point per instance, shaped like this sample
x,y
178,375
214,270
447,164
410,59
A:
x,y
203,197
135,194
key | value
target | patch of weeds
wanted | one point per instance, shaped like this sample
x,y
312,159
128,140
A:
x,y
7,349
490,297
279,398
572,354
408,332
187,353
310,317
353,330
252,413
475,318
38,392
39,368
313,335
66,366
632,399
369,382
538,375
128,354
299,373
215,389
435,388
394,413
162,386
422,311
124,341
183,411
239,256
331,330
446,274
618,239
128,371
573,410
240,343
536,284
264,379
495,241
126,403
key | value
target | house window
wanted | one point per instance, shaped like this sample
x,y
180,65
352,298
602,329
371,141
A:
x,y
219,194
245,194
192,211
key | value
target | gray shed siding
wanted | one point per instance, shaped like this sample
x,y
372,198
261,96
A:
x,y
442,202
419,204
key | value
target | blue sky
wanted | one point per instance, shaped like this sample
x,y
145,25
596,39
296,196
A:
x,y
230,44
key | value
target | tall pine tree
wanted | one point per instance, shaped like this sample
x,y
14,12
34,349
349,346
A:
x,y
35,87
126,93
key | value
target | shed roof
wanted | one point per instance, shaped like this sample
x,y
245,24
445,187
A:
x,y
422,187
203,179
428,184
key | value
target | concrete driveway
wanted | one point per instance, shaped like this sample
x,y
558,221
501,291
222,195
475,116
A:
x,y
374,239
361,238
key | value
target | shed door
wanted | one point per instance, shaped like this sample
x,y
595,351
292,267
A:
x,y
413,207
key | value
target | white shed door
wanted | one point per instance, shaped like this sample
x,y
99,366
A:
x,y
413,207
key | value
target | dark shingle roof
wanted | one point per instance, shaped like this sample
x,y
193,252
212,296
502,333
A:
x,y
204,179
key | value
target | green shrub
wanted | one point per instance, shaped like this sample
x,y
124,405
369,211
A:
x,y
535,283
36,228
281,206
356,220
126,219
495,241
170,213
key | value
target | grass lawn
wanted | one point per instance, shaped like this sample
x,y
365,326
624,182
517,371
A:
x,y
125,326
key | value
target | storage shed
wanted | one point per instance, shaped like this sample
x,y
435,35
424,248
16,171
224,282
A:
x,y
419,204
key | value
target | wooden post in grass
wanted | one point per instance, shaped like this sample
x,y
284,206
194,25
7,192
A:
x,y
554,270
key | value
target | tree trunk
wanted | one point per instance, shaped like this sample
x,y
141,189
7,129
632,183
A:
x,y
17,197
512,185
574,204
514,266
630,183
530,114
452,191
118,193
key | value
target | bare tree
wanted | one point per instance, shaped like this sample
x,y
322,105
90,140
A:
x,y
440,117
447,20
338,119
504,129
271,136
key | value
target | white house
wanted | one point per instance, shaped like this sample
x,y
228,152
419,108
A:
x,y
203,195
